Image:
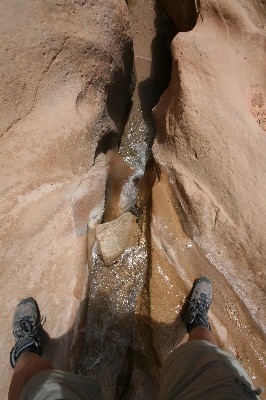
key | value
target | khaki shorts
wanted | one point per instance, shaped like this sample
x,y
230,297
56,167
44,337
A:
x,y
196,370
57,385
199,370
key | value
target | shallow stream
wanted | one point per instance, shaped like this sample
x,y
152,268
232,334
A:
x,y
116,289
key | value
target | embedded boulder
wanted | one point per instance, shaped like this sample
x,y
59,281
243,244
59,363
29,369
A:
x,y
116,236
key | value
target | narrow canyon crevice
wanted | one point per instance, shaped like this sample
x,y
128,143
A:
x,y
132,162
118,347
174,211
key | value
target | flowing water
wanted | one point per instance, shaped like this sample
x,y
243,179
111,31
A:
x,y
112,339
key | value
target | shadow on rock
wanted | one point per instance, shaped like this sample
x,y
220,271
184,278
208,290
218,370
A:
x,y
184,13
152,88
130,349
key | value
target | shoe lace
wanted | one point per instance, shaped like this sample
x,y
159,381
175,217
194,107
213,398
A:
x,y
199,307
25,328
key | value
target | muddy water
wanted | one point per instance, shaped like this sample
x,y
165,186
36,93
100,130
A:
x,y
151,31
117,336
113,293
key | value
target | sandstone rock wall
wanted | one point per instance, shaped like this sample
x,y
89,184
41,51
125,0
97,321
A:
x,y
66,71
210,148
65,84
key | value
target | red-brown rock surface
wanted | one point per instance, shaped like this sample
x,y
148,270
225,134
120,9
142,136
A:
x,y
210,151
65,81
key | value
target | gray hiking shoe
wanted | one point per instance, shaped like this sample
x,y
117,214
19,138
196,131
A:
x,y
27,329
199,304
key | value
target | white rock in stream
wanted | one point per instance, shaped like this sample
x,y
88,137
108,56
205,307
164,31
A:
x,y
116,236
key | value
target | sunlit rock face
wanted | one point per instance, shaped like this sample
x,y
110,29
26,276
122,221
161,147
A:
x,y
65,84
210,154
116,236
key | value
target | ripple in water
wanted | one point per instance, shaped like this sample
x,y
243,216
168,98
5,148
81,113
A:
x,y
113,294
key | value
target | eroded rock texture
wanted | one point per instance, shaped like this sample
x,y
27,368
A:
x,y
210,153
65,84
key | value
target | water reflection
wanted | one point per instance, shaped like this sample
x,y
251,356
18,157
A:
x,y
113,294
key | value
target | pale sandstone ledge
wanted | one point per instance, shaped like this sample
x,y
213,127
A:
x,y
116,236
210,147
65,84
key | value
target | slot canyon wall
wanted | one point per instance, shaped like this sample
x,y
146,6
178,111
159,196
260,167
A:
x,y
72,162
210,153
66,80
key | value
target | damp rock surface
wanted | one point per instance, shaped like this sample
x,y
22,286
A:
x,y
210,149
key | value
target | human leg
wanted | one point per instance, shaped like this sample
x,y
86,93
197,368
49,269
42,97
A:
x,y
34,378
25,355
196,316
199,369
202,333
28,365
